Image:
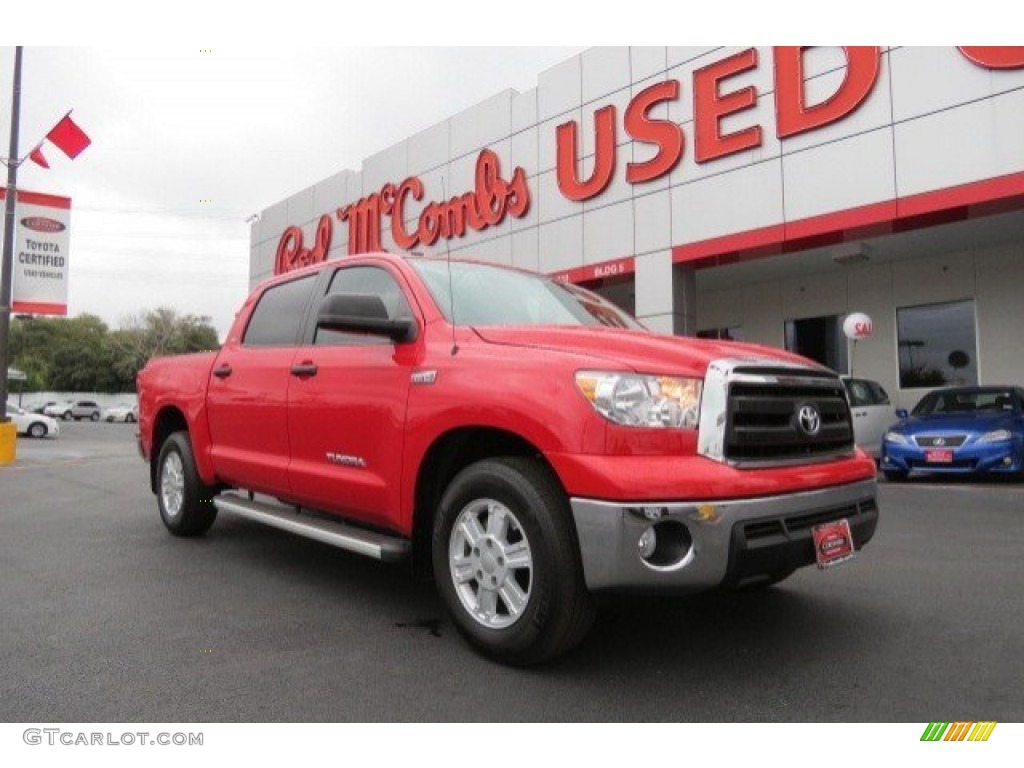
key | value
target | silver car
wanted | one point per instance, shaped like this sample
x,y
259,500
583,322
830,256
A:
x,y
872,413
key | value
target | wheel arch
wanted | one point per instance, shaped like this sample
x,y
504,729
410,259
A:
x,y
450,453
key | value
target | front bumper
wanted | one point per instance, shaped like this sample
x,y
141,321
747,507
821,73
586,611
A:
x,y
1000,456
731,542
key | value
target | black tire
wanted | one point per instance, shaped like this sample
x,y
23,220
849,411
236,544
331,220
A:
x,y
67,415
37,429
895,475
194,513
129,419
95,416
558,610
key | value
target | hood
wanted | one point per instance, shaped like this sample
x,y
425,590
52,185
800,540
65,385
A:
x,y
641,351
957,422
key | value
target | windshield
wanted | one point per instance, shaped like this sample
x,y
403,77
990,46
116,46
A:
x,y
966,401
488,295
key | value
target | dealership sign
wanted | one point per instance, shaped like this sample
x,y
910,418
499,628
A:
x,y
40,276
717,92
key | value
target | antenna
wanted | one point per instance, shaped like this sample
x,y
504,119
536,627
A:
x,y
451,290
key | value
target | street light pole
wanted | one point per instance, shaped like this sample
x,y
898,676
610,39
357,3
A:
x,y
8,255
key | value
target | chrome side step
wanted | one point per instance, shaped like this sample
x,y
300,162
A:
x,y
380,546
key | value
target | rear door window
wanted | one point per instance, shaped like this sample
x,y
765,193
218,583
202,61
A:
x,y
277,319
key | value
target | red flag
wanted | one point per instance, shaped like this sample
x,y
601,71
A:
x,y
69,138
36,156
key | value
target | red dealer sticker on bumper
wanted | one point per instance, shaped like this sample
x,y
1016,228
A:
x,y
833,542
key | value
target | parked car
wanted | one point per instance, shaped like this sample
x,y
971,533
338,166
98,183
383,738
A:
x,y
74,409
123,412
32,424
958,430
872,413
40,407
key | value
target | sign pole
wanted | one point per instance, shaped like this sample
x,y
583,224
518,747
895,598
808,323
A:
x,y
6,429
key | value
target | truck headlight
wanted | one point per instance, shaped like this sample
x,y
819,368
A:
x,y
995,437
636,400
894,437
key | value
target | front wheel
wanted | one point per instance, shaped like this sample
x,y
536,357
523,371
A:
x,y
507,564
37,429
129,419
186,504
67,415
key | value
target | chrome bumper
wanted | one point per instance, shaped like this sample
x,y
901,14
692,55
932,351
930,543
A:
x,y
609,533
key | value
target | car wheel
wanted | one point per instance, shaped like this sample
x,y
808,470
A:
x,y
67,415
129,419
37,429
186,504
506,561
895,475
95,416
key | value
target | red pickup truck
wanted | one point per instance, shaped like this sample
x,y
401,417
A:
x,y
521,440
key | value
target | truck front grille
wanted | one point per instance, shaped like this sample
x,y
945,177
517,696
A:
x,y
758,412
789,417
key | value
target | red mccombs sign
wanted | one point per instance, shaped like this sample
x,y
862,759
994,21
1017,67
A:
x,y
714,99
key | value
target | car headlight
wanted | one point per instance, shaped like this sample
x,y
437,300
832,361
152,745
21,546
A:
x,y
635,400
996,436
894,437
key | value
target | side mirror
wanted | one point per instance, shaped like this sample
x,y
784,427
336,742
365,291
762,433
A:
x,y
901,414
360,313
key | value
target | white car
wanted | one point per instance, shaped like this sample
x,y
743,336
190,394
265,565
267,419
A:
x,y
124,412
32,424
872,413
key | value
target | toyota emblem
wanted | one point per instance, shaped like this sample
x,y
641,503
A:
x,y
809,420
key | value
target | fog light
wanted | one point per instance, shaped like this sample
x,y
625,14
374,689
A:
x,y
648,543
1007,461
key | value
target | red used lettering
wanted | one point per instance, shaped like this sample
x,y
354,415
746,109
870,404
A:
x,y
792,113
710,105
995,56
567,138
665,134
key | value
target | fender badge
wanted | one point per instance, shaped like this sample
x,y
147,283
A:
x,y
424,377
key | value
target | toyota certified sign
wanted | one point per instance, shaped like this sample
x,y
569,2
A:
x,y
40,274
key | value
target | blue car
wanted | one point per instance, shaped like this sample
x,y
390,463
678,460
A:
x,y
961,430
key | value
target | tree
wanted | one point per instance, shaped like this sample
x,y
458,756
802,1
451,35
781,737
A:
x,y
81,354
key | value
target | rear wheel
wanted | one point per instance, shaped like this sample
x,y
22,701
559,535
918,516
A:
x,y
895,475
130,418
67,415
507,564
186,504
95,416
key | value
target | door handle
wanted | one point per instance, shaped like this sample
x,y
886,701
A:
x,y
223,371
304,369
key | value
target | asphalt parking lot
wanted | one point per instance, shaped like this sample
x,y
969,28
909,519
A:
x,y
106,617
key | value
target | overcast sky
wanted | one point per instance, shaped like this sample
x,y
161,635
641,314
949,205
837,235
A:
x,y
242,128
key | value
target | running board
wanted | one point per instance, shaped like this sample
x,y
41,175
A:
x,y
389,549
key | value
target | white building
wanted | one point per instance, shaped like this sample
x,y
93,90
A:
x,y
759,193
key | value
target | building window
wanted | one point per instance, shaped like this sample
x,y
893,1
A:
x,y
725,334
937,345
821,339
